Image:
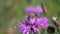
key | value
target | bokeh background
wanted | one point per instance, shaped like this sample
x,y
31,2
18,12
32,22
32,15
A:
x,y
13,10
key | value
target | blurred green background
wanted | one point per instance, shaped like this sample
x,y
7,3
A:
x,y
13,10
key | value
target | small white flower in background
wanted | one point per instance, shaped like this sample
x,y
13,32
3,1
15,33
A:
x,y
54,18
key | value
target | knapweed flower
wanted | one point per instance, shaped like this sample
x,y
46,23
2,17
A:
x,y
32,25
37,9
28,26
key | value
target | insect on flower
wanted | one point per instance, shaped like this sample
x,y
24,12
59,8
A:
x,y
24,28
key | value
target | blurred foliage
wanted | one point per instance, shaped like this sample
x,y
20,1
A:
x,y
13,10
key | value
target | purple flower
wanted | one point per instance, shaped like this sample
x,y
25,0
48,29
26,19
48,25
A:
x,y
26,26
43,22
32,9
32,25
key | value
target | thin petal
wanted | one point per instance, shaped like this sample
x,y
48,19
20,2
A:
x,y
24,31
36,29
43,22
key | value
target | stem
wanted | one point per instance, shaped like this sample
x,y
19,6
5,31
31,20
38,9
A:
x,y
44,7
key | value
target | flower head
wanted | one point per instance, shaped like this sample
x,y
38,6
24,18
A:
x,y
29,26
32,25
32,9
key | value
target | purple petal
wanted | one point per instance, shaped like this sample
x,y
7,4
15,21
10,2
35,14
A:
x,y
21,28
29,9
39,9
27,29
36,29
24,31
33,20
27,33
43,22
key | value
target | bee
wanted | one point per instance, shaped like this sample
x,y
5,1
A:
x,y
32,15
50,29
